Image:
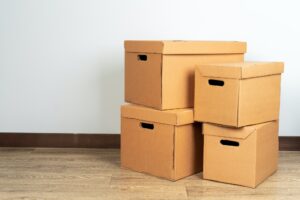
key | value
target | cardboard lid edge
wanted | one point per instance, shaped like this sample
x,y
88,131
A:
x,y
251,129
177,119
245,131
204,71
277,69
169,47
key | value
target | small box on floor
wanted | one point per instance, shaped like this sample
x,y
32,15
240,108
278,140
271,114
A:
x,y
166,144
238,94
243,156
160,74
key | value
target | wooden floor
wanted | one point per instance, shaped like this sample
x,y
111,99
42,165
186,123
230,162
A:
x,y
95,174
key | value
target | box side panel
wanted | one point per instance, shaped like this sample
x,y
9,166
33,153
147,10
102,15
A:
x,y
259,100
267,151
230,164
188,150
178,77
147,150
216,104
143,79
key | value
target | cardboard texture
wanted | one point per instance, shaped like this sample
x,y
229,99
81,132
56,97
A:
x,y
238,94
166,144
242,156
160,74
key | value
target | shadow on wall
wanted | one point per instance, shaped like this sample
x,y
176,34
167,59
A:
x,y
111,95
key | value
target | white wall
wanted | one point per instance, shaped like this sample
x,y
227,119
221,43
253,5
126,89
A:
x,y
61,61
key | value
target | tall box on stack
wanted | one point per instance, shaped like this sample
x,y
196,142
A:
x,y
160,74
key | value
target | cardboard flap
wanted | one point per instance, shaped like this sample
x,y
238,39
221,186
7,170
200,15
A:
x,y
185,47
143,46
228,132
172,117
240,70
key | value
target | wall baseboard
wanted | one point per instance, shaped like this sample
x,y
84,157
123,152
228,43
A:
x,y
289,143
60,140
64,140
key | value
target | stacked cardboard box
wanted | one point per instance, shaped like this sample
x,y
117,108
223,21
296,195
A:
x,y
237,101
158,134
239,105
166,144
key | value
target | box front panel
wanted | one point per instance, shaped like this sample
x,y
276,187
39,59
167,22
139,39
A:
x,y
230,160
259,100
178,77
147,147
143,79
216,100
132,150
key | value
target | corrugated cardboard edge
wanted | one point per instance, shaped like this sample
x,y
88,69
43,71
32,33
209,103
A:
x,y
255,69
272,123
138,112
162,84
176,117
241,133
204,47
238,105
185,47
140,46
250,72
228,73
196,94
253,185
174,156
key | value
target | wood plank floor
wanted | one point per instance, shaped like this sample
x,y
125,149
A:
x,y
48,174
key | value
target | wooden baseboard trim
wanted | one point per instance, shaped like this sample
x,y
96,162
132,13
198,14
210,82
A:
x,y
289,143
60,140
64,140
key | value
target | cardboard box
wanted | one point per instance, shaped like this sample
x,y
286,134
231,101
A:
x,y
238,94
243,156
166,144
160,74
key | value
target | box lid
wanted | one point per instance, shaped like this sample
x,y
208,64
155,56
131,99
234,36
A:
x,y
185,47
241,70
230,132
172,117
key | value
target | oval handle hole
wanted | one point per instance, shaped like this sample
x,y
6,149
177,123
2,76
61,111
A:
x,y
230,143
215,82
142,57
147,125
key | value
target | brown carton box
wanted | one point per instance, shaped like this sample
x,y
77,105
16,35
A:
x,y
166,144
238,94
243,156
160,74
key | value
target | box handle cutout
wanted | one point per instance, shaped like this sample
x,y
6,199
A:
x,y
230,143
142,57
215,82
147,125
